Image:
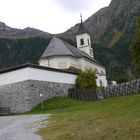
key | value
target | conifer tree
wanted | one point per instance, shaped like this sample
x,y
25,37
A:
x,y
135,49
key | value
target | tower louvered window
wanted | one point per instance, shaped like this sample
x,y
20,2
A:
x,y
82,41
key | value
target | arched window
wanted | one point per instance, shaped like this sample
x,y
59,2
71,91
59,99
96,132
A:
x,y
101,84
88,41
81,41
91,52
102,72
97,71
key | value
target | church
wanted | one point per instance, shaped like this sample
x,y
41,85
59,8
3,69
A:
x,y
25,86
61,55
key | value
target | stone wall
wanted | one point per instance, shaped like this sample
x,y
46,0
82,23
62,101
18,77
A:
x,y
123,89
23,96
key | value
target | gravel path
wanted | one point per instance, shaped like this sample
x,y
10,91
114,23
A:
x,y
21,127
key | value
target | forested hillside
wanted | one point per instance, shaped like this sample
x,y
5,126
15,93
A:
x,y
19,51
115,42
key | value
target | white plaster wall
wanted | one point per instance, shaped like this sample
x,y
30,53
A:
x,y
36,74
51,76
81,63
55,61
88,50
85,63
98,80
102,79
43,62
85,36
14,76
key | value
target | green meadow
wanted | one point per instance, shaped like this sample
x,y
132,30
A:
x,y
117,118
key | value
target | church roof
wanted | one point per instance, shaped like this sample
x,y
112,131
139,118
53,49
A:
x,y
28,65
58,47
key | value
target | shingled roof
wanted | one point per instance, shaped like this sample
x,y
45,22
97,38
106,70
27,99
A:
x,y
81,29
58,47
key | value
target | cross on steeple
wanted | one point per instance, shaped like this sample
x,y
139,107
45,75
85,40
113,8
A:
x,y
81,17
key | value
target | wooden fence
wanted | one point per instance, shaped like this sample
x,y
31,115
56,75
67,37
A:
x,y
123,89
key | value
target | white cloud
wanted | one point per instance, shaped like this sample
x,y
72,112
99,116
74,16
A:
x,y
49,15
80,5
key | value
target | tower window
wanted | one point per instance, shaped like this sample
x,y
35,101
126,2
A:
x,y
88,41
82,41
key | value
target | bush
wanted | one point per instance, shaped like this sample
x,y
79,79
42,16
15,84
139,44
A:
x,y
123,78
86,79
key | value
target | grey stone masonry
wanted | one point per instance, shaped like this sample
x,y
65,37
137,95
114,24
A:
x,y
23,96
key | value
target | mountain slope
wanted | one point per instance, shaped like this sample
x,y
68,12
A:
x,y
8,32
118,37
101,20
112,31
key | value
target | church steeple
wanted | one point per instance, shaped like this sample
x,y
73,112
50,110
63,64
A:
x,y
82,28
83,39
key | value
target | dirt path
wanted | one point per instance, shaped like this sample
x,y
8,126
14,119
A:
x,y
21,127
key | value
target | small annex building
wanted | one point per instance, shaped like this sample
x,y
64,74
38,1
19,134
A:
x,y
25,86
61,55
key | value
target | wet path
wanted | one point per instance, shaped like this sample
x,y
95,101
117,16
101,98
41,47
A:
x,y
21,127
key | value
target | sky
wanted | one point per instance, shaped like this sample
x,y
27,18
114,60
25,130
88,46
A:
x,y
53,16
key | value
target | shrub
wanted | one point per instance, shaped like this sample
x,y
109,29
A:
x,y
86,79
123,78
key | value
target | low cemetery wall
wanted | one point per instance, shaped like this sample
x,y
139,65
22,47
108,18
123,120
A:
x,y
23,96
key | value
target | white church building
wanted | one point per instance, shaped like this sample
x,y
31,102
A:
x,y
61,55
24,87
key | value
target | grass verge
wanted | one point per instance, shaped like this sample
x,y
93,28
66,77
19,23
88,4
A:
x,y
111,119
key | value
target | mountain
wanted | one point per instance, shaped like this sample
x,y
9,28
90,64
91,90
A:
x,y
112,30
121,12
8,32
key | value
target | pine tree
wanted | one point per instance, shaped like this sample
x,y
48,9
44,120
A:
x,y
135,49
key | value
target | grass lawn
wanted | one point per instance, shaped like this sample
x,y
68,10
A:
x,y
116,118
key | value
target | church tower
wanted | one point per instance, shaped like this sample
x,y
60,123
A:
x,y
83,40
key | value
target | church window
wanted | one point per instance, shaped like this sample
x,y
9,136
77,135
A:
x,y
91,52
82,41
102,72
97,72
96,77
88,41
101,84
